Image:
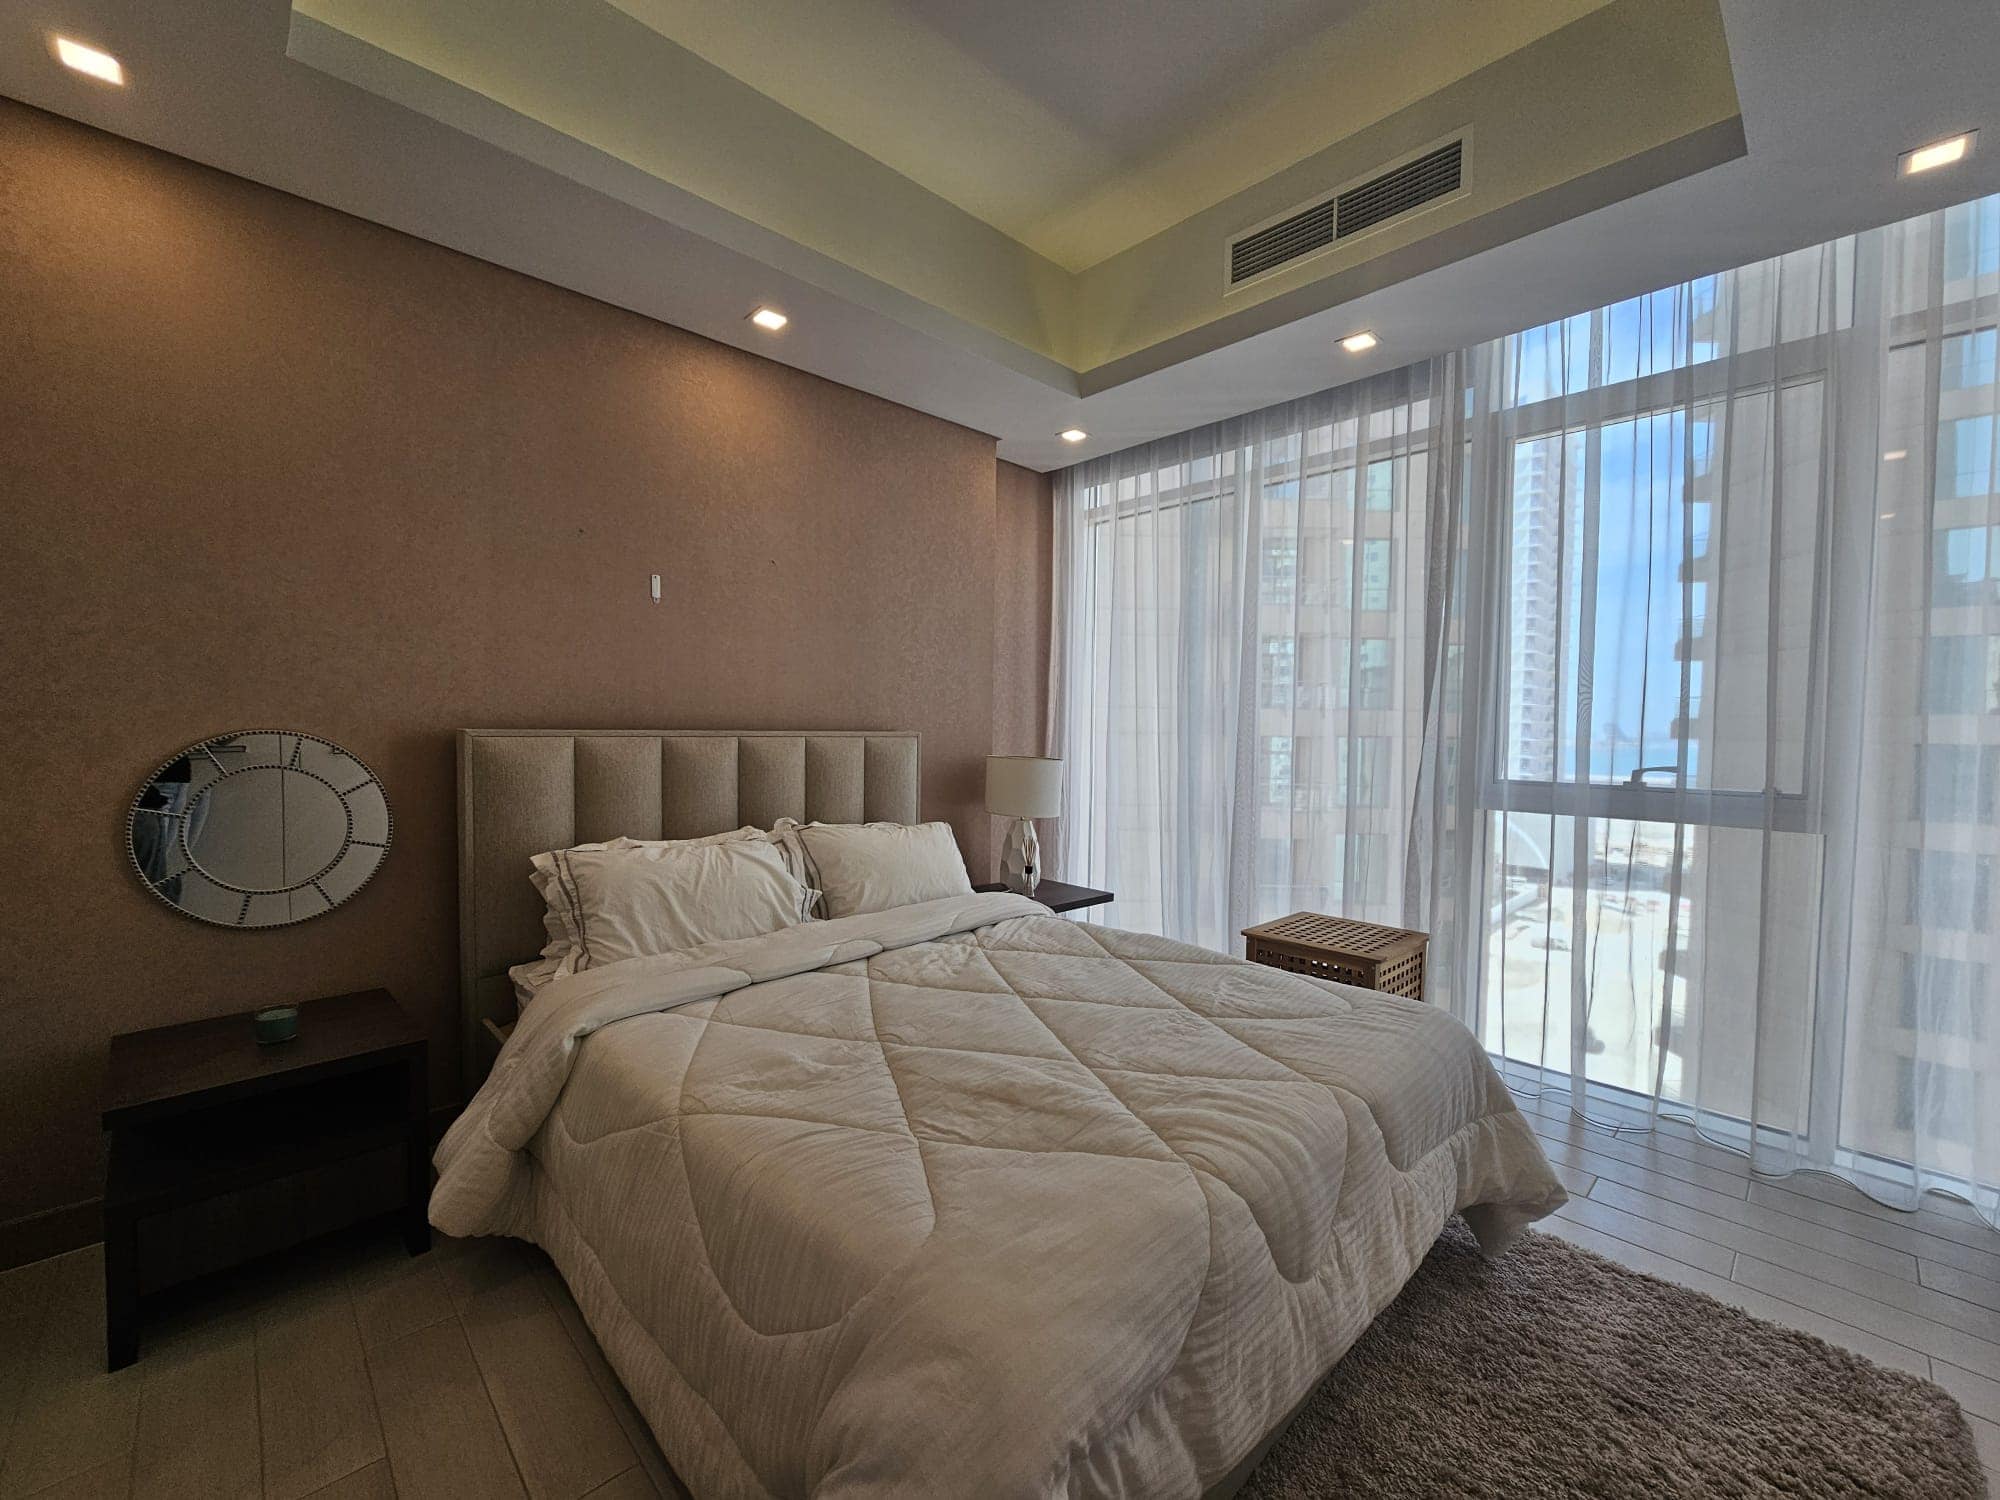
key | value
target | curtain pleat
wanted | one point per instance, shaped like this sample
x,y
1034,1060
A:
x,y
1244,660
1649,660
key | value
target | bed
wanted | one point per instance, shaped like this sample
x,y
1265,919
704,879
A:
x,y
954,1199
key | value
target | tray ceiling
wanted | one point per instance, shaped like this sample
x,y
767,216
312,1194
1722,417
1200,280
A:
x,y
1021,224
1080,130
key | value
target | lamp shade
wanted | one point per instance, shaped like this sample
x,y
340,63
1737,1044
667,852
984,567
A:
x,y
1024,786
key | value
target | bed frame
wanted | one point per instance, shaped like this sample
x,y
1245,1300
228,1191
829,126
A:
x,y
524,791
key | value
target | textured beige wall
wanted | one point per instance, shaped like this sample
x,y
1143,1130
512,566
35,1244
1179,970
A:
x,y
263,464
1023,562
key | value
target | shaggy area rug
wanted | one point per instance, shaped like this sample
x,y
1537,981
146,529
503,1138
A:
x,y
1553,1372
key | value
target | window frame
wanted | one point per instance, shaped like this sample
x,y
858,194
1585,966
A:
x,y
1680,389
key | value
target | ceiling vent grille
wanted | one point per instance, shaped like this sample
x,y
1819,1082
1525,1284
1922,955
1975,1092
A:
x,y
1437,173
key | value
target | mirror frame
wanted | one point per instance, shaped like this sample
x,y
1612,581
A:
x,y
203,746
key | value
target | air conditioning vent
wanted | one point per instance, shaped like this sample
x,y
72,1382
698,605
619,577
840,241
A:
x,y
1428,177
1288,239
1437,173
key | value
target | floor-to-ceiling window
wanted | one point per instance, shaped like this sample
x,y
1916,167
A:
x,y
1650,659
1243,632
1646,770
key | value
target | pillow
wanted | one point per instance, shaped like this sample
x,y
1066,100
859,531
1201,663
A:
x,y
531,979
864,867
645,899
562,940
784,837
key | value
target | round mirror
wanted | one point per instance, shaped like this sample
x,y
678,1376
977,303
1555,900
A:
x,y
259,829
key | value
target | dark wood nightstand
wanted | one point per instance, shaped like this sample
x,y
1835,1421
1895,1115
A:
x,y
222,1150
1059,897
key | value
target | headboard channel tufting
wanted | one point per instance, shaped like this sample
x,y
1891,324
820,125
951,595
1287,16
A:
x,y
523,791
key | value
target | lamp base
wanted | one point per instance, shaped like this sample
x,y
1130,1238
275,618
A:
x,y
1021,857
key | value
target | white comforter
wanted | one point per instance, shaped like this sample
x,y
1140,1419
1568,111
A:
x,y
962,1199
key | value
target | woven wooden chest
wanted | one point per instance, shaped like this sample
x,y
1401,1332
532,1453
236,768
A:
x,y
1390,959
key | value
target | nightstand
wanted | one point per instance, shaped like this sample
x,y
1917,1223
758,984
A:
x,y
222,1150
1058,897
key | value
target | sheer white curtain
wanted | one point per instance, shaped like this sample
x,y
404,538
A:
x,y
1736,639
1650,660
1240,644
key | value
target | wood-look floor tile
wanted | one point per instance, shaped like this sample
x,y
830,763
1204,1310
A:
x,y
316,1406
73,1417
1986,1439
197,1437
1937,1214
1632,1151
480,1267
371,1483
1689,1249
1899,1235
443,1438
631,1485
1663,1139
1976,1393
110,1480
1578,1183
637,1433
1749,1299
1894,1247
1960,1284
67,1430
1611,1169
1986,1443
1667,1129
1893,1291
400,1300
566,1440
1947,1343
1739,1230
24,1310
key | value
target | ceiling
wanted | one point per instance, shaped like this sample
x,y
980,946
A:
x,y
1015,217
1080,130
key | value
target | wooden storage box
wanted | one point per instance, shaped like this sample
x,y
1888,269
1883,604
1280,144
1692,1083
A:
x,y
1389,959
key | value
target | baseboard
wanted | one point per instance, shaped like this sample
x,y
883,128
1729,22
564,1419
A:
x,y
56,1231
53,1231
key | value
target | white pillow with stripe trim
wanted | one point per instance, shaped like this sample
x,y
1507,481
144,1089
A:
x,y
638,899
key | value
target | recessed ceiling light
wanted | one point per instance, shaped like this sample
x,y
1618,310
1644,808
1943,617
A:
x,y
1895,455
1072,434
769,319
88,60
1359,343
1936,154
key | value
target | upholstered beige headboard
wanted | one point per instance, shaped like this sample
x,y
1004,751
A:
x,y
522,791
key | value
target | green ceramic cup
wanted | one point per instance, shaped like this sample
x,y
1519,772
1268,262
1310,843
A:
x,y
278,1024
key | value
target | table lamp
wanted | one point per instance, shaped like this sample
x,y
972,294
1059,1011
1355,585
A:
x,y
1023,787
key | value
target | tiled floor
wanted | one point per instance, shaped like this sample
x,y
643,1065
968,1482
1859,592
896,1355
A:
x,y
347,1372
355,1372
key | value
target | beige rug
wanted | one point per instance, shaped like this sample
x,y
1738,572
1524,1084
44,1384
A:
x,y
1552,1372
